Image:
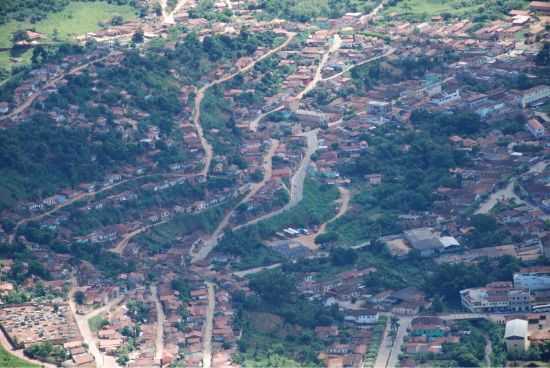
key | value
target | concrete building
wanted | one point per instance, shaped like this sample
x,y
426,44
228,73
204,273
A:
x,y
446,98
424,240
496,297
534,94
533,278
516,335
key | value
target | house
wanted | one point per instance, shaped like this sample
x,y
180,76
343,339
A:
x,y
431,327
374,179
535,128
540,6
516,335
361,316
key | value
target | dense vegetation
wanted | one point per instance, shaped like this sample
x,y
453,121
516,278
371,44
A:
x,y
413,164
37,157
278,322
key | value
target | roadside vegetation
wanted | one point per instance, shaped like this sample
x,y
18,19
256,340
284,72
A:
x,y
316,207
11,361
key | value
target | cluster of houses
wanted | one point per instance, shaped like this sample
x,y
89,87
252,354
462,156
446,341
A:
x,y
428,335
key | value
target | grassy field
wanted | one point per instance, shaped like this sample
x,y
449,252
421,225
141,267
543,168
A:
x,y
424,9
316,207
10,361
431,7
76,19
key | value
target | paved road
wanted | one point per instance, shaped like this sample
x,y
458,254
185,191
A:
x,y
404,324
208,326
385,347
297,181
212,241
252,271
101,360
159,340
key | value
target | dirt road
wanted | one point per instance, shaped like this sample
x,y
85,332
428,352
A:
x,y
349,68
86,195
252,271
309,240
123,243
296,182
159,340
207,147
334,46
212,241
208,326
168,18
507,192
28,102
253,125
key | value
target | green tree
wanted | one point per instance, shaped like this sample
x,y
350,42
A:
x,y
138,36
274,286
79,297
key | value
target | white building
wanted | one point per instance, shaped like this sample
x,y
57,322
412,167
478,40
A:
x,y
445,98
516,335
534,94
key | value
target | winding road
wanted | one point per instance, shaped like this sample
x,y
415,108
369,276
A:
x,y
508,192
309,240
86,195
212,241
207,147
28,102
296,182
